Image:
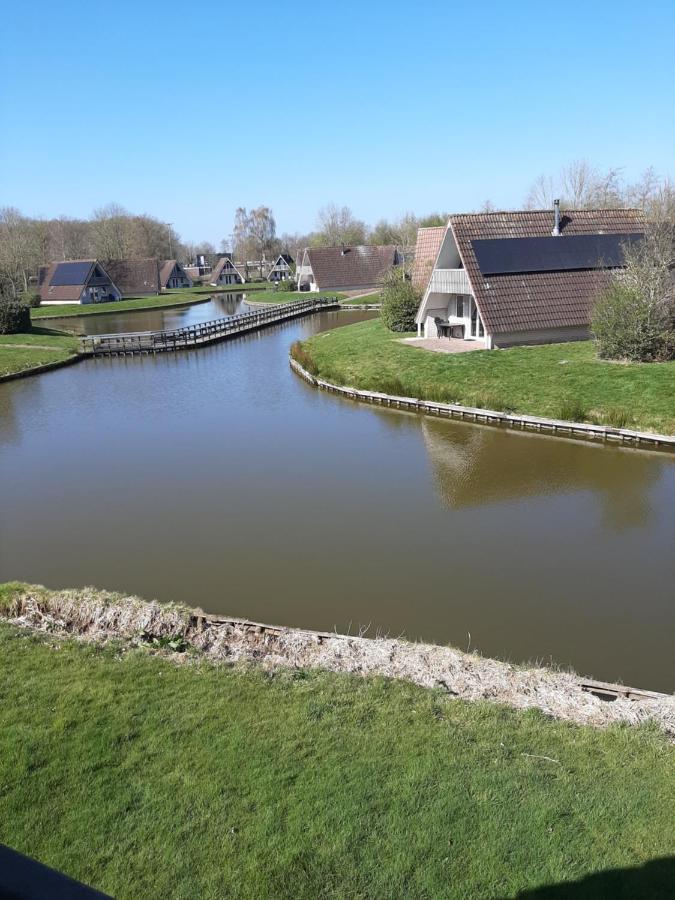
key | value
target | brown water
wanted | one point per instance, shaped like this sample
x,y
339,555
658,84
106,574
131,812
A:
x,y
218,478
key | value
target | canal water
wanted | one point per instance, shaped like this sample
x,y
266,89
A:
x,y
215,307
218,478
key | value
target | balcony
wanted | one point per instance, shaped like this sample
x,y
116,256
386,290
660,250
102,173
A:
x,y
450,281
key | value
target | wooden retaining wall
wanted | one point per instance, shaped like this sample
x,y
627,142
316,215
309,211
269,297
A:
x,y
556,427
203,333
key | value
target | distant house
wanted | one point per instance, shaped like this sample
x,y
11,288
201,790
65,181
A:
x,y
344,268
282,268
76,281
173,275
134,277
225,272
527,277
198,267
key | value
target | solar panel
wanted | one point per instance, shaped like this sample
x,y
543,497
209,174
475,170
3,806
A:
x,y
501,256
70,273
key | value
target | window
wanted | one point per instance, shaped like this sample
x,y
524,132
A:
x,y
460,307
481,330
474,321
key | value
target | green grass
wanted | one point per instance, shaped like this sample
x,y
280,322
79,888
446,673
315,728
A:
x,y
151,779
38,347
360,301
556,380
176,297
272,296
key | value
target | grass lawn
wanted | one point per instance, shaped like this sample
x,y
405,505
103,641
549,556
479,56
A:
x,y
149,779
168,298
564,381
35,348
361,301
272,296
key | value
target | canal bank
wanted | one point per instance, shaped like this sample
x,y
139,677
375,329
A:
x,y
99,616
561,382
218,475
212,779
553,427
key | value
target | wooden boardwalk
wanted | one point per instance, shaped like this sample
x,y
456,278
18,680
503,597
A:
x,y
203,333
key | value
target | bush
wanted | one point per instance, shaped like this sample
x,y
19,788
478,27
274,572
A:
x,y
634,317
14,317
289,285
400,302
627,326
29,298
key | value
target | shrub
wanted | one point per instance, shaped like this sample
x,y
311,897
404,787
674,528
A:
x,y
288,285
627,326
400,302
14,316
634,317
29,298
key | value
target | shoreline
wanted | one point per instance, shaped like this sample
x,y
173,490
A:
x,y
45,367
99,616
132,309
604,434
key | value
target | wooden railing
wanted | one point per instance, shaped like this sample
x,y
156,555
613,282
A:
x,y
202,333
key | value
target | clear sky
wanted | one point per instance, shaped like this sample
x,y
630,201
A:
x,y
187,112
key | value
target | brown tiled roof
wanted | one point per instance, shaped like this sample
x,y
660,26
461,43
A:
x,y
214,275
429,242
166,268
350,267
62,292
134,276
537,300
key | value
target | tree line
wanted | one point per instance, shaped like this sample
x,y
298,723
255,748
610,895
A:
x,y
111,233
114,233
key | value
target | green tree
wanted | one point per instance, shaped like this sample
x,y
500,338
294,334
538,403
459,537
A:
x,y
400,301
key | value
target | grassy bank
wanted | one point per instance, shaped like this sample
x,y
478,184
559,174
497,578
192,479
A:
x,y
272,296
564,381
364,301
39,347
168,298
204,780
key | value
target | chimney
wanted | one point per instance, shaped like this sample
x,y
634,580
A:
x,y
344,249
556,219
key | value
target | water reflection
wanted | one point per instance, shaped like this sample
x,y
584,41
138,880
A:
x,y
219,478
475,466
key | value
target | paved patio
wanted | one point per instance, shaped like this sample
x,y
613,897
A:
x,y
443,345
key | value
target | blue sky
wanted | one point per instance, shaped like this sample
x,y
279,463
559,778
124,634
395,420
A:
x,y
188,112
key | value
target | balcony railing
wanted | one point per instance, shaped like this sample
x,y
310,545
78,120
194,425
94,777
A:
x,y
450,281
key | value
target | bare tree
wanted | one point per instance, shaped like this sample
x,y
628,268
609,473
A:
x,y
338,225
542,193
110,229
23,246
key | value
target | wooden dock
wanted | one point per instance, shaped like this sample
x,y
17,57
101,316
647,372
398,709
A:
x,y
202,333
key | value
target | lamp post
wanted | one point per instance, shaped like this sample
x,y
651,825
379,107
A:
x,y
169,225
